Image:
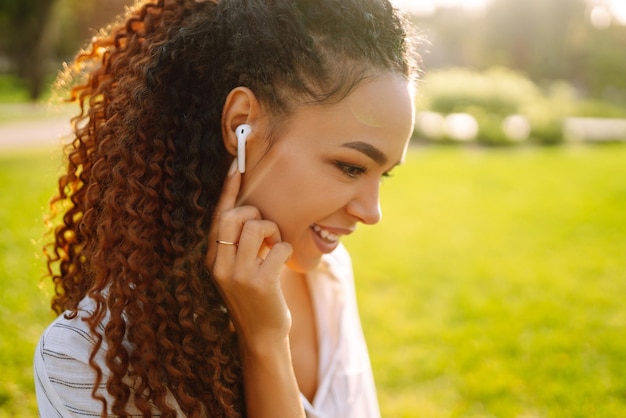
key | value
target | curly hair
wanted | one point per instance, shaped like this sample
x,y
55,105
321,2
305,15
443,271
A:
x,y
147,164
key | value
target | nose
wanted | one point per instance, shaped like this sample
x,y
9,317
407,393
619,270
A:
x,y
365,205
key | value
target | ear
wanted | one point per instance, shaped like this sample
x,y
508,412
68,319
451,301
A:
x,y
241,107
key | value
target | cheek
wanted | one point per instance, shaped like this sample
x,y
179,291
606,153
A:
x,y
293,198
289,200
278,188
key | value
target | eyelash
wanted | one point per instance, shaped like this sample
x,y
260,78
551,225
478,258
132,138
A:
x,y
350,170
354,171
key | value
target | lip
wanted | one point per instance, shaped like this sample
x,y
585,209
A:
x,y
325,246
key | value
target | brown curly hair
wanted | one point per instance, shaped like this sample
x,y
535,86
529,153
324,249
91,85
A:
x,y
147,164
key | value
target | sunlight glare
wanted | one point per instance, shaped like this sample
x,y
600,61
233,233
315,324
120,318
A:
x,y
618,7
600,17
428,7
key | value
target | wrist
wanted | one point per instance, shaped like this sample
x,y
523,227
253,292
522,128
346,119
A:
x,y
267,348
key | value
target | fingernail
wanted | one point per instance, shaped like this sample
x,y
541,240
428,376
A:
x,y
233,167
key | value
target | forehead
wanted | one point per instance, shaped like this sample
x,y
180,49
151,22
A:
x,y
383,102
379,111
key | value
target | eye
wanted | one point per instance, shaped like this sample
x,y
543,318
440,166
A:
x,y
350,170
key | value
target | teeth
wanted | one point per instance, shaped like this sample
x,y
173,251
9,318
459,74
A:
x,y
328,236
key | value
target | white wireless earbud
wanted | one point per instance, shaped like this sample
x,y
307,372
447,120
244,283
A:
x,y
242,133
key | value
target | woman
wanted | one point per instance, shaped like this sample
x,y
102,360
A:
x,y
222,150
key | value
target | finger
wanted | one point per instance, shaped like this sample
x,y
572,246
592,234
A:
x,y
226,201
228,228
241,263
277,257
230,189
232,222
254,235
231,226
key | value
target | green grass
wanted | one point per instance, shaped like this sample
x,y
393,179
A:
x,y
15,90
26,183
12,89
493,287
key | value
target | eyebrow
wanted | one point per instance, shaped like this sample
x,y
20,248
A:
x,y
371,151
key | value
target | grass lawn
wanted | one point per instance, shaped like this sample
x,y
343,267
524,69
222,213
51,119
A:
x,y
14,90
493,287
26,183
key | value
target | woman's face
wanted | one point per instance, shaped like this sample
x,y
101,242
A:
x,y
321,176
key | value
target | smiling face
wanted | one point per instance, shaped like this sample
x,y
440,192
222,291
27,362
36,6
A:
x,y
321,176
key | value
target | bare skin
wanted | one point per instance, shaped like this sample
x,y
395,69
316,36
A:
x,y
303,335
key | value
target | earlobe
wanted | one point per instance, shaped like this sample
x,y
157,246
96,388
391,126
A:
x,y
240,108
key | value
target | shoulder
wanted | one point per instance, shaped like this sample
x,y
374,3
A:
x,y
69,337
65,348
64,378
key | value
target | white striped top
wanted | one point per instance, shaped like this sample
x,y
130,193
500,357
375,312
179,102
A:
x,y
64,379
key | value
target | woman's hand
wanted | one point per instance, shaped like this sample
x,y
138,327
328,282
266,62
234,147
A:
x,y
246,267
248,272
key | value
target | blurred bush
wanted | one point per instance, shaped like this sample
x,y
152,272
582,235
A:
x,y
498,90
506,106
599,109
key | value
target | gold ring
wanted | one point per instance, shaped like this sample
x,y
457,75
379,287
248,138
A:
x,y
219,241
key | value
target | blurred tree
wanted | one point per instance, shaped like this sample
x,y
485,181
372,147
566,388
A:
x,y
535,36
22,30
35,32
455,36
546,40
603,64
76,21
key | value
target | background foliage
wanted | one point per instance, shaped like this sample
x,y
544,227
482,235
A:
x,y
492,95
544,40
